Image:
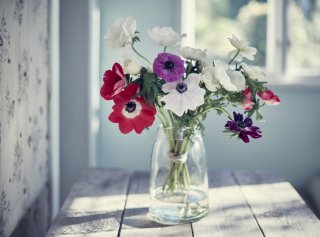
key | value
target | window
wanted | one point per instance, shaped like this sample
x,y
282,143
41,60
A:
x,y
285,32
303,17
216,20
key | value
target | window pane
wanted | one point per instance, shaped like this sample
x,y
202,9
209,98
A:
x,y
304,34
217,20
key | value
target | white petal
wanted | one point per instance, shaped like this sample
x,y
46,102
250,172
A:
x,y
223,78
170,86
182,102
237,79
192,53
233,53
192,80
121,33
164,36
210,82
238,43
131,66
249,52
195,98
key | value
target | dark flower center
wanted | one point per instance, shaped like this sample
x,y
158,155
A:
x,y
168,65
241,124
181,87
130,106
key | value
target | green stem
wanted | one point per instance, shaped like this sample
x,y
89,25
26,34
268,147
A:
x,y
234,57
164,49
173,121
223,110
140,55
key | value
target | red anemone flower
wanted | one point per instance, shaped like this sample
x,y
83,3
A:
x,y
131,112
114,81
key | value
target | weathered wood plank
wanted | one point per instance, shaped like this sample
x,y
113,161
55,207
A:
x,y
229,213
136,222
278,208
94,205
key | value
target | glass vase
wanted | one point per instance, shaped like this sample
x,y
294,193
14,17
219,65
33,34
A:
x,y
178,182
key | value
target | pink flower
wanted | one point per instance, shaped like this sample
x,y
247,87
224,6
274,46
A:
x,y
247,104
114,81
269,98
247,93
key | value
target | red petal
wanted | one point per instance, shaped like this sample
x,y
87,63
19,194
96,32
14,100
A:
x,y
148,117
126,126
109,76
276,100
269,97
127,93
139,124
247,93
146,106
117,69
105,92
247,104
116,117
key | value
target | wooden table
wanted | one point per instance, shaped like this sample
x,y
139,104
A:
x,y
109,202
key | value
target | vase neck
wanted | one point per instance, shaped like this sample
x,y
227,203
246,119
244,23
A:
x,y
177,133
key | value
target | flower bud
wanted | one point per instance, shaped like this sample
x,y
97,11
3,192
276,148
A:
x,y
131,66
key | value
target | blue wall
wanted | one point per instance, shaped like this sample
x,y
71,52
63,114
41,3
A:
x,y
290,143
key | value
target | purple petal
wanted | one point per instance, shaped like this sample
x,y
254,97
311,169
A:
x,y
244,137
247,121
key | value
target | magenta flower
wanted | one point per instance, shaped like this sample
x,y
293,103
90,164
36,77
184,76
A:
x,y
242,127
169,67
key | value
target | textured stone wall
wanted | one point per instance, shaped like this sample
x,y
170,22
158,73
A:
x,y
24,100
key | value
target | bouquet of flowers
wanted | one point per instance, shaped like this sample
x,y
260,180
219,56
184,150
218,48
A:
x,y
181,87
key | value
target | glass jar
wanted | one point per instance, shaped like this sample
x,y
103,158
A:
x,y
178,178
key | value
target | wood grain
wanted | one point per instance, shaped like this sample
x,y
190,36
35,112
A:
x,y
229,213
242,203
136,222
95,204
277,207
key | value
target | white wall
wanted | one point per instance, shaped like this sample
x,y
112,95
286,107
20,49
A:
x,y
290,142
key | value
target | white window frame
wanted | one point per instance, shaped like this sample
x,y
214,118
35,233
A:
x,y
277,43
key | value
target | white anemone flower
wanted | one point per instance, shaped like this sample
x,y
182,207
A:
x,y
253,72
209,78
164,36
237,79
192,53
121,33
220,75
131,66
242,49
183,95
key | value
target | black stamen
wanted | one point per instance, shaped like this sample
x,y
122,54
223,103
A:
x,y
241,124
168,65
181,87
130,106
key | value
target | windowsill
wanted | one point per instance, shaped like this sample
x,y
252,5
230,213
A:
x,y
294,80
304,83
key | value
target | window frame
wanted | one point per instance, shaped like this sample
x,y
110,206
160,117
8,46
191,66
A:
x,y
278,43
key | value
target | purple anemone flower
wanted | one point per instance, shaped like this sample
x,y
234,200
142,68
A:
x,y
242,127
169,67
